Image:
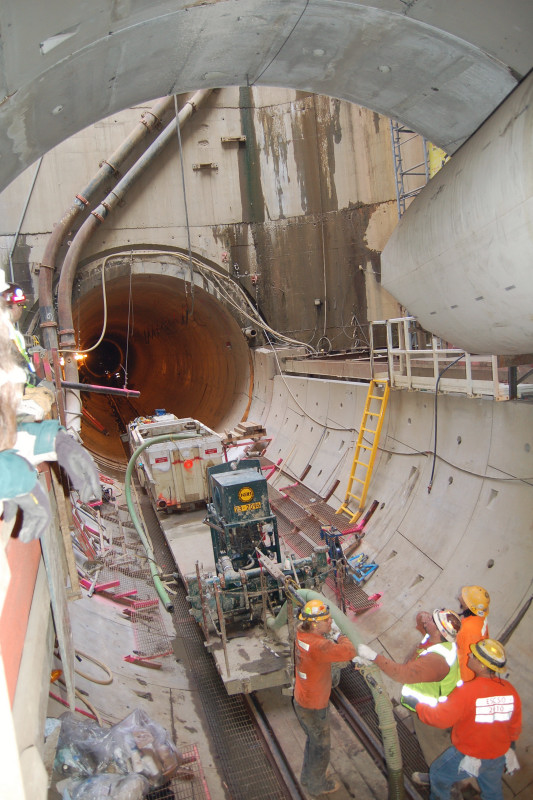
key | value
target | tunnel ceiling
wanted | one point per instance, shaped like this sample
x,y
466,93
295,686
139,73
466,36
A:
x,y
432,66
191,359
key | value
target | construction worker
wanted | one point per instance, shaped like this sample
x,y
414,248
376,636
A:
x,y
14,298
434,670
315,652
485,715
474,601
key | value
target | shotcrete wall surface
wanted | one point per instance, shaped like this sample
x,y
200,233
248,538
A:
x,y
474,527
290,194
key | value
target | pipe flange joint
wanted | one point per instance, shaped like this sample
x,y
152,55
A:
x,y
82,199
67,337
157,121
113,169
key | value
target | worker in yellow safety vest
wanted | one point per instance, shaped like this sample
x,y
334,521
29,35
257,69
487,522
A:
x,y
14,299
433,672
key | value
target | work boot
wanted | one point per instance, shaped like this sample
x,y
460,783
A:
x,y
331,785
420,778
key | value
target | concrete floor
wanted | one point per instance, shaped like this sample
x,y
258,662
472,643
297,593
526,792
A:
x,y
101,629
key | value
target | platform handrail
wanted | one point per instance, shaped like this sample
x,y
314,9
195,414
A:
x,y
418,367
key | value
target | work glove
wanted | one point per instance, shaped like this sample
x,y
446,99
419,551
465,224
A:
x,y
366,653
335,631
511,761
36,513
49,441
79,466
17,476
470,765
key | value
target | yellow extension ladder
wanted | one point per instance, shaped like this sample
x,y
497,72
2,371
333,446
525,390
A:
x,y
367,443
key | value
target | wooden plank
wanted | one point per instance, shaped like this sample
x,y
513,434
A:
x,y
50,544
74,592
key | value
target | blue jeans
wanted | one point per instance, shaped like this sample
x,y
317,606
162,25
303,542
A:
x,y
444,772
315,723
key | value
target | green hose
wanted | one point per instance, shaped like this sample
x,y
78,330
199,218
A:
x,y
160,589
373,677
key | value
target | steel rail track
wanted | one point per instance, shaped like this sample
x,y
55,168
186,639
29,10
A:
x,y
370,741
229,732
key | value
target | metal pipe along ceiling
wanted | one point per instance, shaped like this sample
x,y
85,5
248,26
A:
x,y
191,366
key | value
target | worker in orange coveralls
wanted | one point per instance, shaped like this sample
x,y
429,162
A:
x,y
474,602
485,715
315,652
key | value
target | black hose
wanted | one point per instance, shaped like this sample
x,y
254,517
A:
x,y
430,484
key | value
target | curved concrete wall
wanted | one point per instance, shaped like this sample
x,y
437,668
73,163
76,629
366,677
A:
x,y
460,258
433,66
473,528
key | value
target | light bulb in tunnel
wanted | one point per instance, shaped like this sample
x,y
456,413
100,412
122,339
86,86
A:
x,y
80,356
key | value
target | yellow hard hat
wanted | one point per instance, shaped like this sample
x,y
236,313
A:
x,y
448,623
315,610
477,599
491,653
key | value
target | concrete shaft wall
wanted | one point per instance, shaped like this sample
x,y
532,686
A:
x,y
473,528
290,194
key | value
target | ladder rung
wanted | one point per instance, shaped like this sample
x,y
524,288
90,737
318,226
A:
x,y
368,430
375,396
359,480
365,447
373,413
353,496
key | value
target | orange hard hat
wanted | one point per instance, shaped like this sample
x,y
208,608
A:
x,y
315,610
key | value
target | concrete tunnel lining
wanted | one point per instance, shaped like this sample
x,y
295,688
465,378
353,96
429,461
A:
x,y
432,66
427,545
193,364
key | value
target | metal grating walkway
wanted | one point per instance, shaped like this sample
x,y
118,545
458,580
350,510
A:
x,y
299,510
355,688
248,774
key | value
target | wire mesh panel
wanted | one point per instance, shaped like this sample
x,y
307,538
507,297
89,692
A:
x,y
188,784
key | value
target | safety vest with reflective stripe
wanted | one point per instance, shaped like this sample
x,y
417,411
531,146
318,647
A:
x,y
429,692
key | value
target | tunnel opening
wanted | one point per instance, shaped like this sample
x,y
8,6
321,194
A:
x,y
104,364
182,350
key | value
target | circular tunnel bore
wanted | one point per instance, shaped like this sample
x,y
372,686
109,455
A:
x,y
192,364
105,364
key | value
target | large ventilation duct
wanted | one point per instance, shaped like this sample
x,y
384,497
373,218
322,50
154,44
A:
x,y
191,366
460,258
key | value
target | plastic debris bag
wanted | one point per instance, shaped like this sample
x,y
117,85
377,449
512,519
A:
x,y
135,745
102,787
79,748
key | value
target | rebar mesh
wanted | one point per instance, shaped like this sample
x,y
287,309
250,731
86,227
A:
x,y
189,784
